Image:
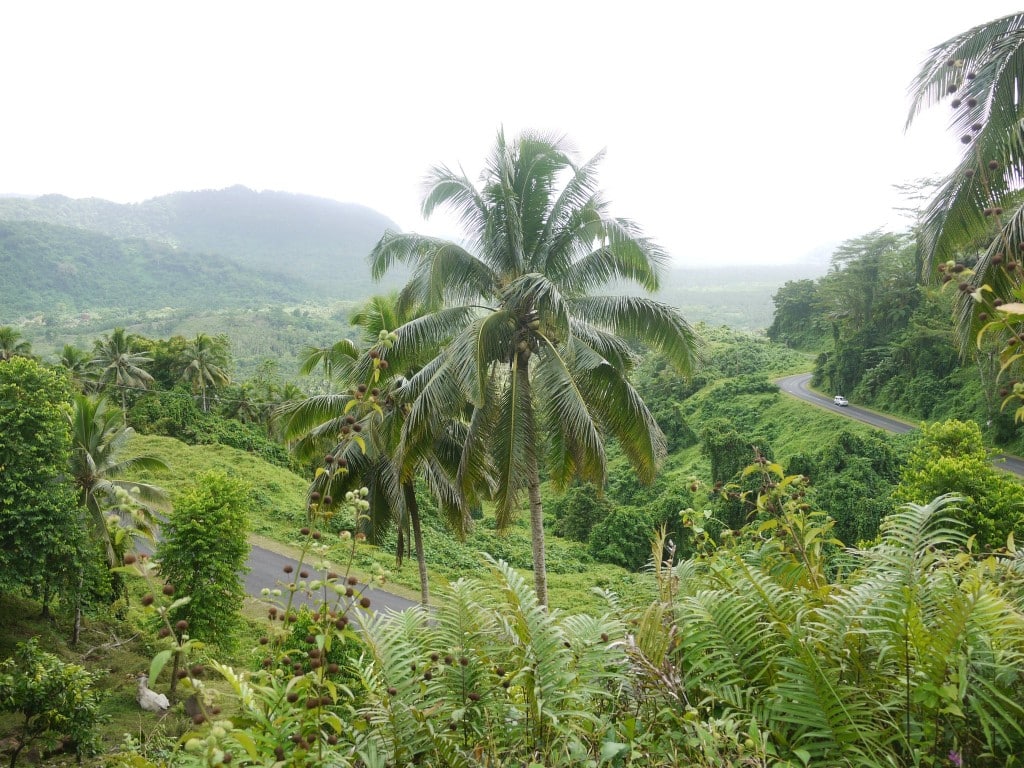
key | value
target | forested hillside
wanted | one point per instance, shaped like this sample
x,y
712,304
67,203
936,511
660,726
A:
x,y
59,271
320,244
883,335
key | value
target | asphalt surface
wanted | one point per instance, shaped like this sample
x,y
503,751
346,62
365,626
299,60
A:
x,y
799,386
267,571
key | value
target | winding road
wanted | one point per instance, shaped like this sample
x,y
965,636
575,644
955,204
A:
x,y
799,386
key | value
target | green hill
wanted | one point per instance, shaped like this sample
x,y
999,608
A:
x,y
321,242
59,270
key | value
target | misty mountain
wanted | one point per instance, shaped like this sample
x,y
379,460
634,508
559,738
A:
x,y
321,243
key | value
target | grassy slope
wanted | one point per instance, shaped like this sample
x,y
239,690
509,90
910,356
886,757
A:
x,y
276,515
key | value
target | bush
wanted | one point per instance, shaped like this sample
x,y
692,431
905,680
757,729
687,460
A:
x,y
578,511
57,701
623,538
203,555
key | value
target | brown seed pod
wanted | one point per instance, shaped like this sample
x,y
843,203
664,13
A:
x,y
364,602
147,599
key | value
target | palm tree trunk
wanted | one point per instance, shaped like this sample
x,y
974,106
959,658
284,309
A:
x,y
413,507
540,569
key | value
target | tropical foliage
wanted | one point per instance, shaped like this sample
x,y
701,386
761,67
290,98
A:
x,y
537,357
101,469
203,555
39,525
120,365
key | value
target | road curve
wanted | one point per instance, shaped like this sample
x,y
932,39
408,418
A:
x,y
799,387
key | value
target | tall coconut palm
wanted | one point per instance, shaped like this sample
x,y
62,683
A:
x,y
102,473
12,345
539,359
203,365
371,401
976,213
120,365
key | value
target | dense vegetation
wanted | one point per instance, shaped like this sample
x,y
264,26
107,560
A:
x,y
316,243
779,586
62,274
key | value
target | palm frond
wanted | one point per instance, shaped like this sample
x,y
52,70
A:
x,y
515,448
651,322
445,188
575,445
618,251
622,413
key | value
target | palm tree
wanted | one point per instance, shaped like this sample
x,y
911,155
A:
x,y
335,360
203,363
120,365
79,364
536,357
11,344
101,473
372,402
977,210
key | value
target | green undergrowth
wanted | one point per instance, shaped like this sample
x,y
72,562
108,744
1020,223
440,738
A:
x,y
277,515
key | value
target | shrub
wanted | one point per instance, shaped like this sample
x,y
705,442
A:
x,y
578,511
57,701
623,538
203,555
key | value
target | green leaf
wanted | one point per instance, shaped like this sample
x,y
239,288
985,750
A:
x,y
157,665
612,749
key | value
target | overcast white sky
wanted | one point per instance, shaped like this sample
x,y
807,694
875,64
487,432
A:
x,y
735,131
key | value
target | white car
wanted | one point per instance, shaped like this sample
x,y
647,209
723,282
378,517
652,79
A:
x,y
840,400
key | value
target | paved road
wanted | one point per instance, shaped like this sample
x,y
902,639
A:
x,y
267,570
799,386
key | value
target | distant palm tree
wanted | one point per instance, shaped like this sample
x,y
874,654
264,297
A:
x,y
335,360
11,344
203,363
120,365
79,364
540,362
102,473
